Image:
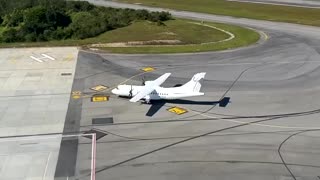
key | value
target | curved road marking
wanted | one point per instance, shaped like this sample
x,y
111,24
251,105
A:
x,y
266,37
231,36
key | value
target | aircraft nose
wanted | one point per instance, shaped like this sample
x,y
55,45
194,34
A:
x,y
114,91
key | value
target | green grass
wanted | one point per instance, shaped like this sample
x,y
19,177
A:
x,y
297,15
243,37
190,35
182,30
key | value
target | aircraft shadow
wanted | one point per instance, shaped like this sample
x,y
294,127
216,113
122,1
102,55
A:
x,y
158,104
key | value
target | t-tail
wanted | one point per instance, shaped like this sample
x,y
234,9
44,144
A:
x,y
194,85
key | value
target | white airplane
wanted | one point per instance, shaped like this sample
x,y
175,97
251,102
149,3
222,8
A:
x,y
152,90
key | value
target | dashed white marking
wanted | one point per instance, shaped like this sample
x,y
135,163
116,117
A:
x,y
49,57
44,57
39,60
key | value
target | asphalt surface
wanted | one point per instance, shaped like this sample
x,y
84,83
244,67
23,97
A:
x,y
268,130
295,3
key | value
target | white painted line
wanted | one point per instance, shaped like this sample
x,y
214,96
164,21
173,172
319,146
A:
x,y
37,59
45,170
266,37
231,36
93,160
49,57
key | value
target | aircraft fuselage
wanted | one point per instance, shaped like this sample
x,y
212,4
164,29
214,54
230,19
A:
x,y
157,94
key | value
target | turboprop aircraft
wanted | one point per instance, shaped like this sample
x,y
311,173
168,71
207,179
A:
x,y
151,90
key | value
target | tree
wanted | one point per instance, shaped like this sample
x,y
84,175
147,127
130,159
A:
x,y
13,19
10,35
79,6
57,18
85,25
43,20
142,14
35,20
31,37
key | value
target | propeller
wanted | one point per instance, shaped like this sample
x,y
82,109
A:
x,y
143,81
130,92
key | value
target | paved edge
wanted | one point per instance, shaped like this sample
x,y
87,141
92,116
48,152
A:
x,y
67,159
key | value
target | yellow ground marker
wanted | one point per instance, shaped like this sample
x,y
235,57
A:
x,y
99,88
69,57
177,110
76,94
148,69
99,98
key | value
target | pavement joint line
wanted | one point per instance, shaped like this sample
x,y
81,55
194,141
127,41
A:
x,y
39,137
256,124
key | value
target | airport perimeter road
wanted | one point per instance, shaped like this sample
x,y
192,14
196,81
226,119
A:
x,y
311,32
295,3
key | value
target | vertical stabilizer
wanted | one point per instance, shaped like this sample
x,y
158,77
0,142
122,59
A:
x,y
194,85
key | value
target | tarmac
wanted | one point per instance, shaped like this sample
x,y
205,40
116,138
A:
x,y
257,120
268,129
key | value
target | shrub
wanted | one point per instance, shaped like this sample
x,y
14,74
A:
x,y
43,20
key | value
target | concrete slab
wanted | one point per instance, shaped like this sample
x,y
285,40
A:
x,y
34,99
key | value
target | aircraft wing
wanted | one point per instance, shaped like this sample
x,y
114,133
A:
x,y
149,87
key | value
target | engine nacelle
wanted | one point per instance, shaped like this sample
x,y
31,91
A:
x,y
147,82
147,98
